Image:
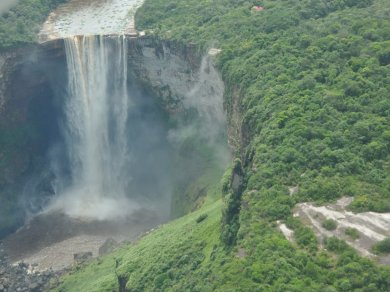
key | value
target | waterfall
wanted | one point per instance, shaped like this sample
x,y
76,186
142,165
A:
x,y
95,122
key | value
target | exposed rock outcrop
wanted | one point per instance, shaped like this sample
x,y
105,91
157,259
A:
x,y
370,227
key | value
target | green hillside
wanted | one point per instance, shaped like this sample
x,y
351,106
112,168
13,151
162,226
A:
x,y
310,80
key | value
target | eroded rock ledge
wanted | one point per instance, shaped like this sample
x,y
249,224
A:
x,y
368,227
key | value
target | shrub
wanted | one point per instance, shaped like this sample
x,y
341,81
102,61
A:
x,y
336,245
201,218
375,203
384,58
329,224
352,233
305,237
230,214
382,247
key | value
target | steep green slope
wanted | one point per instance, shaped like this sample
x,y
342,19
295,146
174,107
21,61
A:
x,y
187,255
310,81
179,248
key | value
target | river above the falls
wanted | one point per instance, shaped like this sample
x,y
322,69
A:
x,y
90,17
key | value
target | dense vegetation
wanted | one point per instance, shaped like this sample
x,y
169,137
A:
x,y
329,224
311,82
353,233
312,79
382,246
20,25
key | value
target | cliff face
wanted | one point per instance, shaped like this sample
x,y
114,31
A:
x,y
190,91
9,61
27,126
184,77
14,149
180,75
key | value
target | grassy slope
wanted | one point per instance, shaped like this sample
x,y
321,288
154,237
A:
x,y
312,81
172,246
187,256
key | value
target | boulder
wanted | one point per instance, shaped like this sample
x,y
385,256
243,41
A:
x,y
82,257
108,246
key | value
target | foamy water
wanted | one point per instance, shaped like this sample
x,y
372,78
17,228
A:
x,y
90,17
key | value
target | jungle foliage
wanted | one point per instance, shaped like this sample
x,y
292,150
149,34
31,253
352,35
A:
x,y
312,80
20,25
382,246
329,224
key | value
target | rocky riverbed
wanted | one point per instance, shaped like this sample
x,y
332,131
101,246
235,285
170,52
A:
x,y
23,276
50,244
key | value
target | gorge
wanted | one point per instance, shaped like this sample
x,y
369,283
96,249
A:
x,y
130,132
195,145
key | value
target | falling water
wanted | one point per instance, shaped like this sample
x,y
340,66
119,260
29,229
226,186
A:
x,y
95,128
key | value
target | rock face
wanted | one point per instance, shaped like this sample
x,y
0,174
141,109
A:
x,y
82,257
23,277
25,107
370,227
5,59
9,62
177,73
190,90
108,246
14,147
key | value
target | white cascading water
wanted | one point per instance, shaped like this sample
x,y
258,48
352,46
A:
x,y
95,128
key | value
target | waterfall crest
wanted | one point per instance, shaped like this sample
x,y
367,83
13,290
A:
x,y
94,128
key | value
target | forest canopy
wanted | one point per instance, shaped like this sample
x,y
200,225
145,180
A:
x,y
20,24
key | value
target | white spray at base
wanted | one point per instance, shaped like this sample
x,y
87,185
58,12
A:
x,y
95,129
